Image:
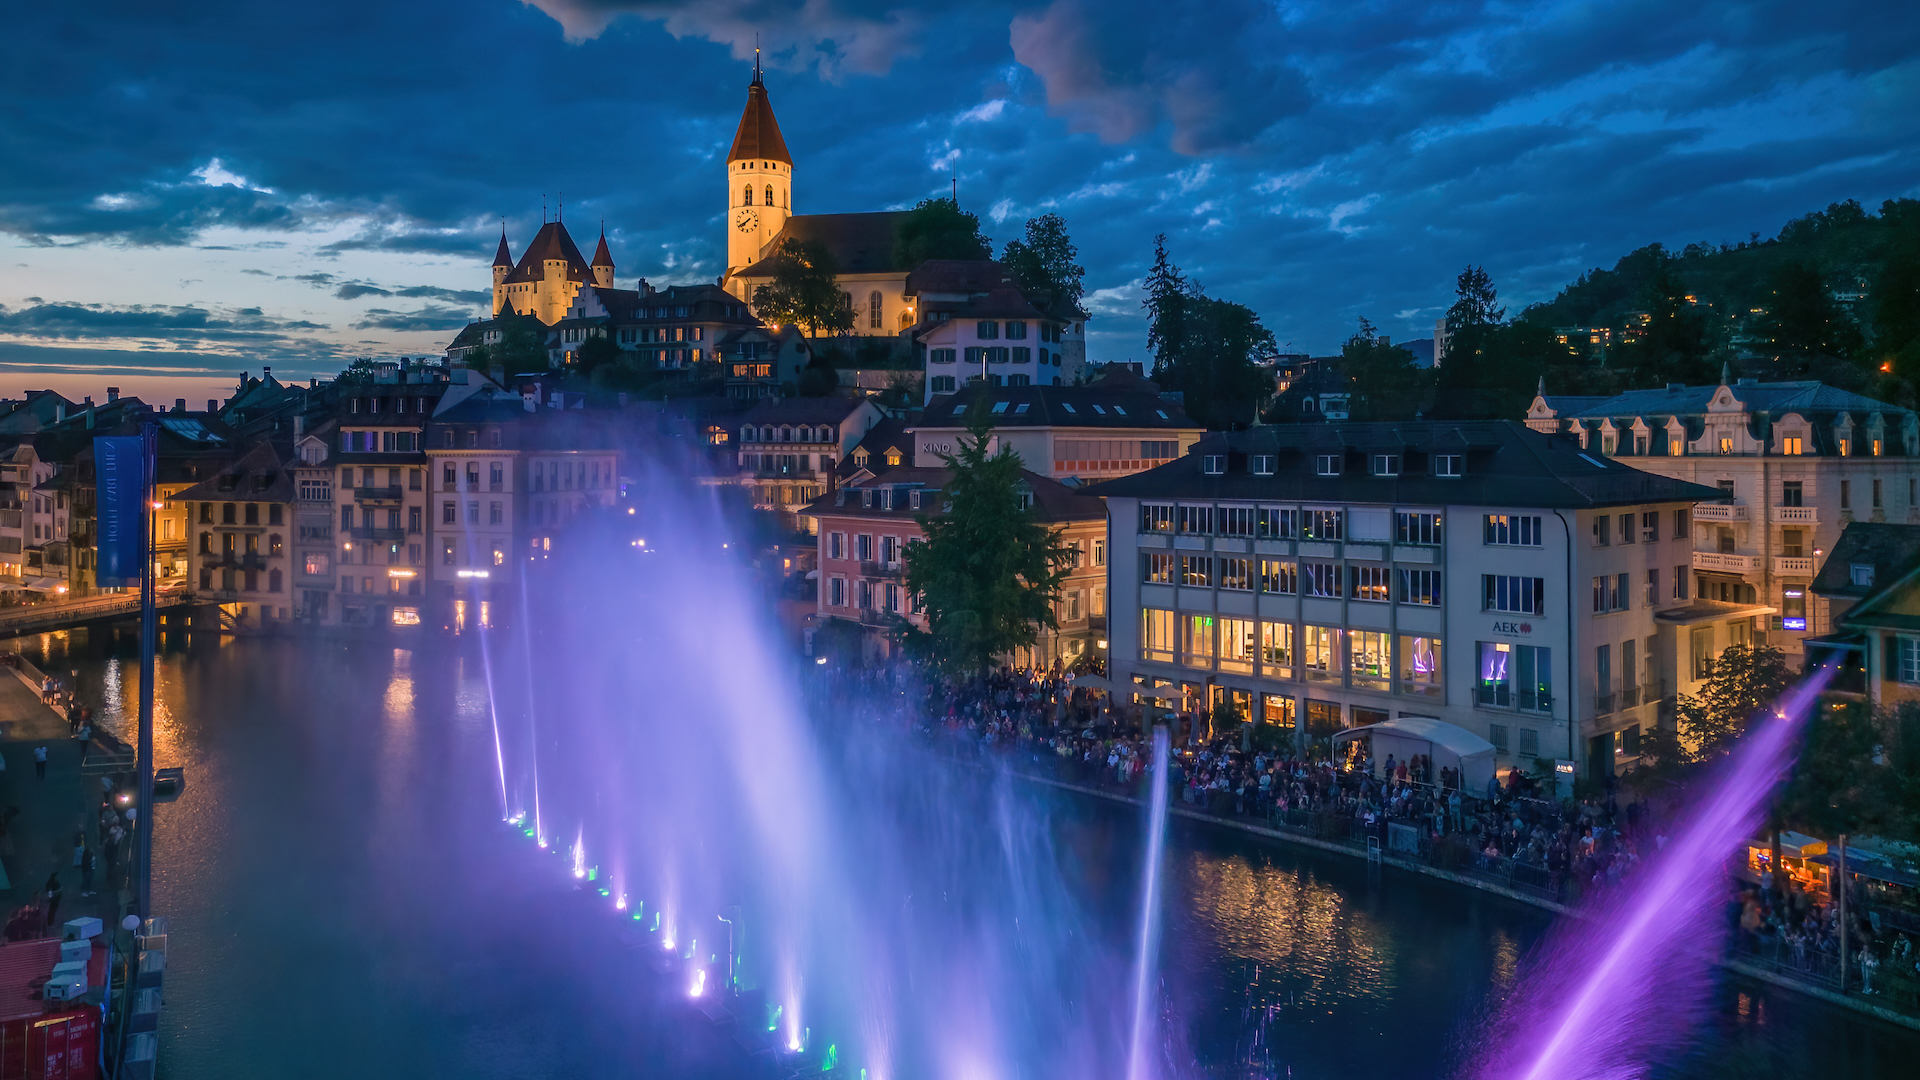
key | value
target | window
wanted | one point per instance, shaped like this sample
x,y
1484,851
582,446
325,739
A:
x,y
1320,647
1792,493
1322,524
1497,735
1326,465
1278,576
1513,530
1276,649
1514,677
1156,518
1653,586
1275,524
1322,579
986,330
316,491
1679,583
943,384
493,513
1626,528
1196,640
1236,574
1908,668
1602,530
837,592
1213,464
318,564
448,515
1371,658
1196,570
1650,526
473,512
1447,464
1099,552
1236,521
1410,528
1418,587
746,195
1792,446
446,551
1420,670
1016,329
1386,464
1846,495
1156,567
863,547
1701,649
1237,645
1368,582
875,304
1680,518
1196,519
1610,593
836,545
1861,575
1523,595
1261,464
413,519
1876,494
1529,743
1156,635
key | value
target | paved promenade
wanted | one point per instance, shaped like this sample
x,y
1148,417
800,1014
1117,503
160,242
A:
x,y
42,816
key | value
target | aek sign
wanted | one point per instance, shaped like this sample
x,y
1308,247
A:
x,y
1512,629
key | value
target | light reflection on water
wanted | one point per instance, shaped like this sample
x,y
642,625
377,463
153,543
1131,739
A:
x,y
345,905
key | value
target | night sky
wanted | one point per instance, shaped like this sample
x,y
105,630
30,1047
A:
x,y
192,190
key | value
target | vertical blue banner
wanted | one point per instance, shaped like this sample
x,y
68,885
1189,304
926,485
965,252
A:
x,y
120,501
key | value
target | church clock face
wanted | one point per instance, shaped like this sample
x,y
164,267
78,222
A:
x,y
746,219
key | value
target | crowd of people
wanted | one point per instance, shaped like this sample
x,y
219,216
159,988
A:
x,y
1794,928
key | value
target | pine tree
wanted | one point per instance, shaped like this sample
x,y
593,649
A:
x,y
987,574
1208,350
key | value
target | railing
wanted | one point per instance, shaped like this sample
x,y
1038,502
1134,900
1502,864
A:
x,y
389,493
367,533
871,568
1629,697
1719,512
1786,564
1726,563
1603,704
10,519
244,560
1796,515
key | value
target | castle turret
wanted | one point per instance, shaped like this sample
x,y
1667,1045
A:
x,y
603,262
502,266
759,178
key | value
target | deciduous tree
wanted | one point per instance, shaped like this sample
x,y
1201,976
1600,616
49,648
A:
x,y
1042,264
805,291
939,229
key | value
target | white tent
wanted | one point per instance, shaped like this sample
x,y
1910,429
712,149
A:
x,y
1449,745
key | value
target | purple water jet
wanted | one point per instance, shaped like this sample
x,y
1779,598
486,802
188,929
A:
x,y
1604,996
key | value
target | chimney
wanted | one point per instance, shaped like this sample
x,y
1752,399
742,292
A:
x,y
266,373
179,404
212,405
299,425
243,380
59,413
313,383
113,394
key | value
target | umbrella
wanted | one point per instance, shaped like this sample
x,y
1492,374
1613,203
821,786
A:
x,y
1091,682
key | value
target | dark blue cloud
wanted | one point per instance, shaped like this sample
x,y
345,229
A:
x,y
1318,160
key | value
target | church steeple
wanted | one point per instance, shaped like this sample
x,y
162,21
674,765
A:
x,y
759,177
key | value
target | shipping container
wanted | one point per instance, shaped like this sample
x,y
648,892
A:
x,y
57,1046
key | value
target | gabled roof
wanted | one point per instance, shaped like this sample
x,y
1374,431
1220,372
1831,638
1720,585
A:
x,y
859,243
551,243
256,476
758,136
1054,503
1889,548
1505,464
800,410
963,276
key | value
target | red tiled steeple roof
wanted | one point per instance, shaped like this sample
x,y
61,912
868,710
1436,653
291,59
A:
x,y
758,137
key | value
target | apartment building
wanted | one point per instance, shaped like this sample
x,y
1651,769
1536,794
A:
x,y
315,549
33,522
1116,425
1328,576
1800,460
789,448
866,525
240,519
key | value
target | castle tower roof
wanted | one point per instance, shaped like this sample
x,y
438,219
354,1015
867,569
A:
x,y
503,257
601,256
758,137
551,243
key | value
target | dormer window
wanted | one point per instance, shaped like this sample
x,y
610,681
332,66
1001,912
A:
x,y
1213,464
1792,446
1726,446
893,457
1326,465
860,457
1447,464
1861,574
1386,464
866,498
1260,464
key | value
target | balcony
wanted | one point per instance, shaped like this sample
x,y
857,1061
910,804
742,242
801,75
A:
x,y
390,493
251,560
787,473
1784,565
1603,704
1629,697
874,569
1719,512
1726,563
1795,515
382,535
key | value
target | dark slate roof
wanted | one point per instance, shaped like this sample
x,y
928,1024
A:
x,y
256,476
1003,302
889,432
1777,398
799,410
859,243
1506,465
758,137
1092,406
551,242
957,276
1888,548
1053,502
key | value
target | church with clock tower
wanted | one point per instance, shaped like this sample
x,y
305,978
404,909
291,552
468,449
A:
x,y
759,180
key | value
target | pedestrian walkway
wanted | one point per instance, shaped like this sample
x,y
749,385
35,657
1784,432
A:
x,y
39,818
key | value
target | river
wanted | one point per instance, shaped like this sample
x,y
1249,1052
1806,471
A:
x,y
345,903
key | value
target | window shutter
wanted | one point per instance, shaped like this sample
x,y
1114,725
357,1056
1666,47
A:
x,y
1891,672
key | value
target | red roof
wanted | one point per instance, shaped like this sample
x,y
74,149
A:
x,y
758,138
503,257
24,968
601,256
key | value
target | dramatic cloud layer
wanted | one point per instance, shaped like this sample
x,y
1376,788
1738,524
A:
x,y
1320,161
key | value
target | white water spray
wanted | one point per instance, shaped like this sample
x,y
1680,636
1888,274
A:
x,y
1147,961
